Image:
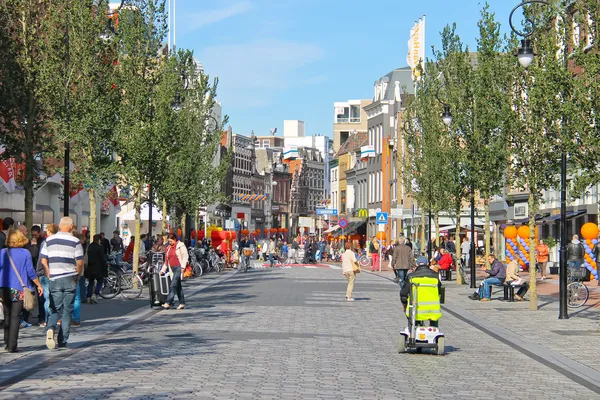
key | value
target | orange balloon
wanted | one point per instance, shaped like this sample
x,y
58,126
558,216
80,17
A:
x,y
593,264
523,232
590,231
510,232
380,235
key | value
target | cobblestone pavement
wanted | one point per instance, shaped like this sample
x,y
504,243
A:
x,y
290,334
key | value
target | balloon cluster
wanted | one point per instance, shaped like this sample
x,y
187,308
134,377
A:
x,y
517,244
589,232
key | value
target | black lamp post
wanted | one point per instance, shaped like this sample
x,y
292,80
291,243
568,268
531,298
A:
x,y
525,57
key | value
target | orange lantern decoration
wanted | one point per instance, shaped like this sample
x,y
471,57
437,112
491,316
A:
x,y
279,230
342,237
245,231
266,231
273,230
285,230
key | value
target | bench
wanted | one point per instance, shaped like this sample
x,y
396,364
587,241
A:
x,y
509,292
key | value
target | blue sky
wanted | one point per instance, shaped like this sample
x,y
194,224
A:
x,y
292,59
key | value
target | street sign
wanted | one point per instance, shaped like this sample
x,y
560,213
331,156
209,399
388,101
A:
x,y
327,211
382,218
343,222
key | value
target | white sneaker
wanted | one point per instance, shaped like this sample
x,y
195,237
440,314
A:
x,y
349,299
50,343
181,306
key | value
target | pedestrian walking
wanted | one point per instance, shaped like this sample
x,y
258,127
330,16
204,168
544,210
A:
x,y
575,253
465,251
97,269
80,290
176,259
374,251
272,252
7,223
17,276
44,301
349,269
105,244
402,260
542,255
62,258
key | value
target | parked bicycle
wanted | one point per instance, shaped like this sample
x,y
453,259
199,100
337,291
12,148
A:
x,y
121,280
195,260
577,293
215,262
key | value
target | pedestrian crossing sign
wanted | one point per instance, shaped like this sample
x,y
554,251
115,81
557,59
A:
x,y
382,218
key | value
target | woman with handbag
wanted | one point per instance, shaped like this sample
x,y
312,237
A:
x,y
350,268
176,258
16,275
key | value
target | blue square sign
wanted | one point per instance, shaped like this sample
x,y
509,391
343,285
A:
x,y
382,218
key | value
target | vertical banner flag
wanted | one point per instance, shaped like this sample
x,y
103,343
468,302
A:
x,y
416,47
7,173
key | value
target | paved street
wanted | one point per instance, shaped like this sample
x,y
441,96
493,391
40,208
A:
x,y
289,333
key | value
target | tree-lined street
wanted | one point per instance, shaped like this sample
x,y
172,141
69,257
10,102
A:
x,y
288,333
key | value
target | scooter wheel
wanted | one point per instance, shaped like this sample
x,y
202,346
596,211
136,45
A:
x,y
402,344
441,346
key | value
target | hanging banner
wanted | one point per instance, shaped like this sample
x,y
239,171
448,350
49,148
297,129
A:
x,y
416,47
7,173
113,197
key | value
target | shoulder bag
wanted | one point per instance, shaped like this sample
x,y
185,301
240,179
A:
x,y
355,267
28,299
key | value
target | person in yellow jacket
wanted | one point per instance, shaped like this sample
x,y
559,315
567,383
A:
x,y
427,286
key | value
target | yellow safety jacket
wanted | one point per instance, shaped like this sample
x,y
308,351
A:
x,y
427,294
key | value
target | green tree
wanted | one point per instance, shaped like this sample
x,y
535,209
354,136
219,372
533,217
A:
x,y
193,179
78,86
146,110
23,117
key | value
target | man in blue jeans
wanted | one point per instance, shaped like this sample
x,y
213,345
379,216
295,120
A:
x,y
497,276
62,258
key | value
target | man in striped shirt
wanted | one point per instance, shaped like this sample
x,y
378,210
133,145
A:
x,y
62,258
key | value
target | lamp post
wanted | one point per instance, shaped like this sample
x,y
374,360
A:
x,y
525,56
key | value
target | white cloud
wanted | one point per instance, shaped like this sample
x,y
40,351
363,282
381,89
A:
x,y
260,69
193,21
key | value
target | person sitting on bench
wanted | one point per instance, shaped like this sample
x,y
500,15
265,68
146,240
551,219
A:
x,y
497,275
512,278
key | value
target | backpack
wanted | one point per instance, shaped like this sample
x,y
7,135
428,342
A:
x,y
372,248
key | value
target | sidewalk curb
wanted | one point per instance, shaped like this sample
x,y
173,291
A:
x,y
28,364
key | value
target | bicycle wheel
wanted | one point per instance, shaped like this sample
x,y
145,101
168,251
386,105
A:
x,y
110,287
131,286
364,261
197,268
577,294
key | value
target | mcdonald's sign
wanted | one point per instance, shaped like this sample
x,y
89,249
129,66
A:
x,y
362,213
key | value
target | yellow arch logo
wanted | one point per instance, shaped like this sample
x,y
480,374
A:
x,y
362,213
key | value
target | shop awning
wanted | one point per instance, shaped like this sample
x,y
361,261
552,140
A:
x,y
332,229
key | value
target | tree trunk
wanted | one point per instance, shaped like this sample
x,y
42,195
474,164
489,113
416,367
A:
x,y
486,231
423,242
29,154
459,272
183,227
93,216
437,230
164,217
533,303
138,229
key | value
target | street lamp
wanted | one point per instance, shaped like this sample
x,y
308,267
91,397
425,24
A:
x,y
525,57
446,115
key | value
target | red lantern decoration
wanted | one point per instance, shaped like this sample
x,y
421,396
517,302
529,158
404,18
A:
x,y
266,231
279,230
273,230
245,231
285,230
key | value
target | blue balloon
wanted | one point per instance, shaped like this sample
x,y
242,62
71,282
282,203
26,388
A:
x,y
595,241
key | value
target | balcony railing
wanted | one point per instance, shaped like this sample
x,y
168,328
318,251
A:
x,y
352,120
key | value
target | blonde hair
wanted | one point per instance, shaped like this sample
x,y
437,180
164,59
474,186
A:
x,y
16,239
52,228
